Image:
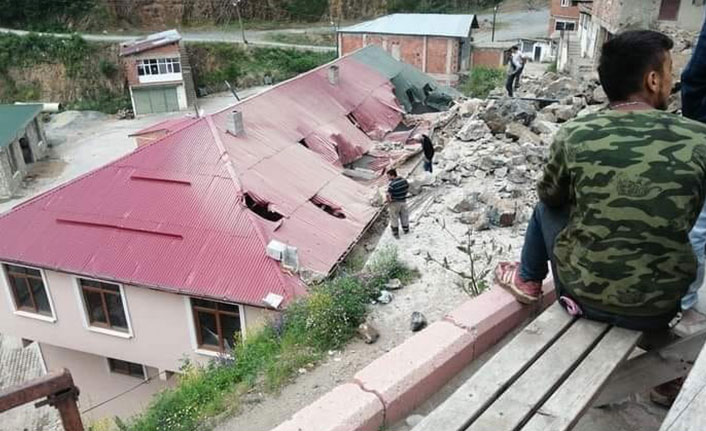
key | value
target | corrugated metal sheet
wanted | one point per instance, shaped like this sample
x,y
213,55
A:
x,y
14,119
171,215
150,42
421,24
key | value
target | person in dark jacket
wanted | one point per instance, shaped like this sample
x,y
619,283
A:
x,y
397,203
428,148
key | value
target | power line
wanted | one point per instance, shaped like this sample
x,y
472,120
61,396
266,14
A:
x,y
147,380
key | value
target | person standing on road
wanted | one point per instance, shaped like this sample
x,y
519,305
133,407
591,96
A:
x,y
397,198
428,149
513,66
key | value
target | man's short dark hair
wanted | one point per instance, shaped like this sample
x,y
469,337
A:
x,y
626,59
392,172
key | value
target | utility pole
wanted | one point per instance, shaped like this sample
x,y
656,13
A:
x,y
236,3
495,13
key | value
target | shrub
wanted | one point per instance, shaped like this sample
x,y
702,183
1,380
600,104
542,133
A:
x,y
482,81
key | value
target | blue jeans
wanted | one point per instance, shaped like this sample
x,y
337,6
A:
x,y
697,237
537,252
427,165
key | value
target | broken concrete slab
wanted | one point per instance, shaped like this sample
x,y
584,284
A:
x,y
473,130
522,133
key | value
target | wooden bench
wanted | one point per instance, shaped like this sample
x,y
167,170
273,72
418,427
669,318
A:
x,y
554,370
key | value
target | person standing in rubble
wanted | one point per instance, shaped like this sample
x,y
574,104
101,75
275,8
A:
x,y
514,67
428,149
397,203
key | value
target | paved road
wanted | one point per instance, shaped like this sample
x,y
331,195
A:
x,y
513,25
255,38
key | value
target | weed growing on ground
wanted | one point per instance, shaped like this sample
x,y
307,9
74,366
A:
x,y
310,326
482,81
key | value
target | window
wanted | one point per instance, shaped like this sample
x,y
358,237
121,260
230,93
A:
x,y
161,66
104,305
127,368
565,25
28,290
216,324
565,3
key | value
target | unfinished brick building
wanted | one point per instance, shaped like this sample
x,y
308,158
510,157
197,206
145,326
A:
x,y
438,44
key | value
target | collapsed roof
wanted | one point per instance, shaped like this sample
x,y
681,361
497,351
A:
x,y
194,212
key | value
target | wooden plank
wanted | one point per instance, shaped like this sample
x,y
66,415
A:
x,y
514,406
688,413
498,373
652,368
566,406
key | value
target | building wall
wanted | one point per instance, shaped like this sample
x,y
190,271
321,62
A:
x,y
619,15
97,383
691,17
487,57
10,182
161,322
437,56
130,62
559,12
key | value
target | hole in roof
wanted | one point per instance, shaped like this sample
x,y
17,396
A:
x,y
328,207
303,143
261,209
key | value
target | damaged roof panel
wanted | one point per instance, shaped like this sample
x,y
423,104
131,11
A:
x,y
421,24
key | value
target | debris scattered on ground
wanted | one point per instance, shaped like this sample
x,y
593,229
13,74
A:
x,y
368,333
414,420
393,284
419,321
385,297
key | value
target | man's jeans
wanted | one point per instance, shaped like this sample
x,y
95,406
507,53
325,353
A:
x,y
427,165
543,227
697,237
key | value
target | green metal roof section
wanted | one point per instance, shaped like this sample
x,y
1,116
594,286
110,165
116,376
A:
x,y
414,89
14,119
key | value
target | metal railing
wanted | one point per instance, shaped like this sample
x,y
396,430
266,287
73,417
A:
x,y
58,390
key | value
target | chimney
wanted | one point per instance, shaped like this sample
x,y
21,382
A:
x,y
333,75
236,126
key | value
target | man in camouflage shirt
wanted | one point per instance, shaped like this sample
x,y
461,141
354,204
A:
x,y
620,192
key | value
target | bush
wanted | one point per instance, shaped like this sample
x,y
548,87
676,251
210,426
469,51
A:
x,y
325,319
482,81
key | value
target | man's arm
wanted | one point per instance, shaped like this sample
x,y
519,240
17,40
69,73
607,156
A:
x,y
553,188
693,81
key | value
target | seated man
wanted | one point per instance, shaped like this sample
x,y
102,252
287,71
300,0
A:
x,y
619,195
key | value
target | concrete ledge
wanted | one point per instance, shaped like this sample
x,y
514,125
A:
x,y
396,383
346,408
412,372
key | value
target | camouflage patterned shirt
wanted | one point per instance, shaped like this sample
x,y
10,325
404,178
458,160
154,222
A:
x,y
635,182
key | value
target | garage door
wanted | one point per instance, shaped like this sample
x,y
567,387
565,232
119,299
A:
x,y
155,99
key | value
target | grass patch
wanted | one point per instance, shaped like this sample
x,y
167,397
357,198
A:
x,y
310,326
305,38
481,81
214,63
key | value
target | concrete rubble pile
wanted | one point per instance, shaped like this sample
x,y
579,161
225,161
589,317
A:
x,y
494,153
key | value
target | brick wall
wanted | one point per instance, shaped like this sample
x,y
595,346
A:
x,y
436,54
130,62
487,57
571,12
350,43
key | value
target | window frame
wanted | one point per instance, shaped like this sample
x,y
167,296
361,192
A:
x,y
99,328
153,66
556,25
9,290
113,370
194,326
565,3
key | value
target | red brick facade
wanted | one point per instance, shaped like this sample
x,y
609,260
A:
x,y
570,13
487,57
434,55
130,61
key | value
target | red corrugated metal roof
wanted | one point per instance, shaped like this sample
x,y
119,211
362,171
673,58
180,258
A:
x,y
172,216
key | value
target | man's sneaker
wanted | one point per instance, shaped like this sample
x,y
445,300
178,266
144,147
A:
x,y
665,394
508,277
405,230
396,233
